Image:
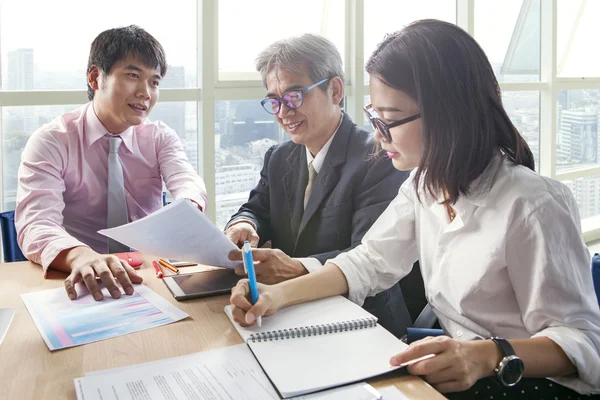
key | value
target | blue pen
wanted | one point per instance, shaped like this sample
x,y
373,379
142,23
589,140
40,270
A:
x,y
249,267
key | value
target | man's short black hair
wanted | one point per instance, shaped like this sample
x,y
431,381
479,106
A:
x,y
114,45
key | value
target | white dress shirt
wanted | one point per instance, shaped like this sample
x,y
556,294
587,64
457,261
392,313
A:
x,y
63,179
512,263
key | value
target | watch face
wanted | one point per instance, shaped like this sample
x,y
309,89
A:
x,y
512,370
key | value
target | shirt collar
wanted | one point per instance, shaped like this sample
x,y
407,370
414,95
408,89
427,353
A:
x,y
320,157
94,129
479,190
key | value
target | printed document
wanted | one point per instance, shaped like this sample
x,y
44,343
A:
x,y
179,231
66,323
226,373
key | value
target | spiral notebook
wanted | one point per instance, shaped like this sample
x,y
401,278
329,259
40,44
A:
x,y
318,345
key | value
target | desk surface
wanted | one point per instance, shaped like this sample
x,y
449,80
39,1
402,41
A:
x,y
28,370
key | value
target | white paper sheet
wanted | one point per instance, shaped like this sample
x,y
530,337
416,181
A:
x,y
358,391
226,373
178,231
6,317
65,323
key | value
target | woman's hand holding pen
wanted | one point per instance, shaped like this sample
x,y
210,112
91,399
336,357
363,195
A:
x,y
244,313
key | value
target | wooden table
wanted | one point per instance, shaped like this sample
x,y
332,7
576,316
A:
x,y
28,370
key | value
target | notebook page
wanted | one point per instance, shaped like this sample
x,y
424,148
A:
x,y
307,364
324,311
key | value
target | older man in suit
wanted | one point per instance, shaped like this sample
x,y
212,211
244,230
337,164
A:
x,y
320,192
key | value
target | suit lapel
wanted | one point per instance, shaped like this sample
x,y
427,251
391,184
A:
x,y
329,175
294,182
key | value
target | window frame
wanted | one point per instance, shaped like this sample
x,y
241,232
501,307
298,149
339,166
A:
x,y
210,89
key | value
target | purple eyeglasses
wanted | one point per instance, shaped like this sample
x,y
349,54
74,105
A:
x,y
292,99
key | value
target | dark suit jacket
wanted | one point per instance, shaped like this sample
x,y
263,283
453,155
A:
x,y
350,192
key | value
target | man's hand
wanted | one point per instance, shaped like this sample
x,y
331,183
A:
x,y
271,265
240,232
85,264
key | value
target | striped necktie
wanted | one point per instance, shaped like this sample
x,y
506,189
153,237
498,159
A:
x,y
312,175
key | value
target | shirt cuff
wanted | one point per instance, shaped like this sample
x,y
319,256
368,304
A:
x,y
582,353
237,221
197,205
358,291
310,263
195,197
53,250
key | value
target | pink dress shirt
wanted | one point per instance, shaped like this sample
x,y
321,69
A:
x,y
63,177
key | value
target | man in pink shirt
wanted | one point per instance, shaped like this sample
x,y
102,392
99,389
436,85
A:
x,y
64,198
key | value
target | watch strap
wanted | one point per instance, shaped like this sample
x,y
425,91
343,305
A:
x,y
505,347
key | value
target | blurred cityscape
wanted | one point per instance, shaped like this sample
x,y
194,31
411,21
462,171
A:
x,y
244,131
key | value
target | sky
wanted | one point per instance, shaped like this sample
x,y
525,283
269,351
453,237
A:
x,y
61,39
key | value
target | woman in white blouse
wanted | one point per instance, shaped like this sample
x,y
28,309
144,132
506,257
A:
x,y
500,247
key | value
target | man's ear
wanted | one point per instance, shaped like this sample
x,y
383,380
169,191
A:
x,y
93,76
336,86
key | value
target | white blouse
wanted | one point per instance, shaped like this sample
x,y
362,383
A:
x,y
512,263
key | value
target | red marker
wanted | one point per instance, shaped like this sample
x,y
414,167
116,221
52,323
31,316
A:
x,y
159,273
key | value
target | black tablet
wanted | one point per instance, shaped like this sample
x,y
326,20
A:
x,y
201,284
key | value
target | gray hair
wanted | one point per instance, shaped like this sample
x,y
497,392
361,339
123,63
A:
x,y
317,54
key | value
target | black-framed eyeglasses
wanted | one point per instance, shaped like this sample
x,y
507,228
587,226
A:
x,y
381,126
292,99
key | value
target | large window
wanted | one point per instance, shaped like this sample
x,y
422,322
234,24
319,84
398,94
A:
x,y
577,30
387,16
211,93
509,33
18,123
238,47
183,118
46,49
243,134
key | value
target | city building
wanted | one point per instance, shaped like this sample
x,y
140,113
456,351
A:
x,y
20,70
578,137
587,193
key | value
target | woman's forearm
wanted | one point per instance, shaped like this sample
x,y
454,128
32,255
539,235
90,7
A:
x,y
326,282
541,356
